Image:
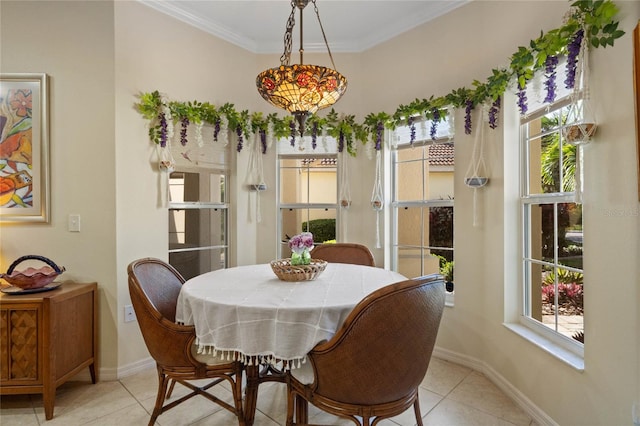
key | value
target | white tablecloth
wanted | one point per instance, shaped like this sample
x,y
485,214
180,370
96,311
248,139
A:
x,y
248,310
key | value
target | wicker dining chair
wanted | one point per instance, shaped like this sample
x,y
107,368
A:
x,y
371,368
154,287
357,254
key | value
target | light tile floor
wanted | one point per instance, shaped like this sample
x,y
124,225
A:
x,y
450,394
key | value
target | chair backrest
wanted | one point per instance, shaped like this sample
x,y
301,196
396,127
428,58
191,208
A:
x,y
356,254
160,282
383,350
154,287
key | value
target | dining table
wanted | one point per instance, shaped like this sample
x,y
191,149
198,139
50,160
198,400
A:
x,y
247,313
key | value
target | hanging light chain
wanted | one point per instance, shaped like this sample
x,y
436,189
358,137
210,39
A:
x,y
285,59
315,8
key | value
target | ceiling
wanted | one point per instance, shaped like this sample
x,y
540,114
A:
x,y
350,25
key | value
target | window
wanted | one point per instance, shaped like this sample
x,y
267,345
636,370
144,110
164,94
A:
x,y
422,203
307,192
198,206
197,222
552,229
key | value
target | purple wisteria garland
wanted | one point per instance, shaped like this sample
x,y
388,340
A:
x,y
550,77
522,99
434,122
341,141
183,130
590,22
292,132
263,140
379,133
412,128
216,130
163,130
467,116
493,113
573,50
314,135
240,138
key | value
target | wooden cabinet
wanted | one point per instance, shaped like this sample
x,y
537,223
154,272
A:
x,y
47,338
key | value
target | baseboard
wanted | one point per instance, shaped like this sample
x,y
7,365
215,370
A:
x,y
540,417
459,358
112,374
127,370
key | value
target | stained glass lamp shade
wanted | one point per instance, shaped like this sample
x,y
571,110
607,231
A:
x,y
300,89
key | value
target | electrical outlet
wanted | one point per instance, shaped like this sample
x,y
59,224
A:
x,y
129,313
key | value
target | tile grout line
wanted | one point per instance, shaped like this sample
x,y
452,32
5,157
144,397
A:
x,y
447,394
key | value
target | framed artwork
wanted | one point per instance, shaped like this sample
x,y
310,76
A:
x,y
636,88
24,148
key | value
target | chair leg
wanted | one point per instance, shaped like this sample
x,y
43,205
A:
x,y
163,381
290,407
416,408
365,420
236,387
302,410
171,386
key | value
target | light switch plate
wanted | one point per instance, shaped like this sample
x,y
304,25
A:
x,y
74,223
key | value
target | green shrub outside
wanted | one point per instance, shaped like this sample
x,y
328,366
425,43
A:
x,y
322,229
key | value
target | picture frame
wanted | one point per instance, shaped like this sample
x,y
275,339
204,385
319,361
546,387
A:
x,y
636,90
24,148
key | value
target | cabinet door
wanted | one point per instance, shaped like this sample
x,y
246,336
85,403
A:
x,y
4,344
72,319
20,330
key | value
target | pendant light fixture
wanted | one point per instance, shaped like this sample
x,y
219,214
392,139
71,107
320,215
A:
x,y
301,89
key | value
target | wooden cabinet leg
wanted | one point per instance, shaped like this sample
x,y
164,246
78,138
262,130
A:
x,y
92,371
49,397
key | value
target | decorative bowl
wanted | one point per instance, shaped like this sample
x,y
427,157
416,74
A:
x,y
288,272
32,278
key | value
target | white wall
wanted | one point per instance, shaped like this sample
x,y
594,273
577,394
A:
x,y
155,52
134,49
73,42
453,51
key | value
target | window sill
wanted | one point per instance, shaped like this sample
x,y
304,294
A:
x,y
571,359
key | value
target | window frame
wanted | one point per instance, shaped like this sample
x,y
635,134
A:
x,y
428,203
202,205
526,201
283,250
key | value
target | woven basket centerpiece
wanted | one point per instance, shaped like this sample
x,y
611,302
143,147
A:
x,y
288,272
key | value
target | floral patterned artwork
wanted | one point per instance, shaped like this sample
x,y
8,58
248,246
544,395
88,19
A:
x,y
16,161
24,152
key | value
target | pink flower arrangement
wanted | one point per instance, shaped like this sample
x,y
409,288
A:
x,y
301,242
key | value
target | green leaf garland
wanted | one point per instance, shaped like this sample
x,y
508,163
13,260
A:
x,y
595,16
